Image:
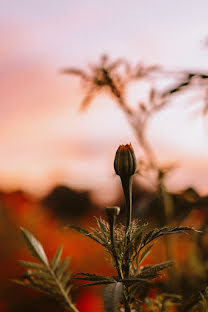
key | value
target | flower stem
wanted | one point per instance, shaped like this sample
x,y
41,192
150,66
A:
x,y
118,266
127,188
117,263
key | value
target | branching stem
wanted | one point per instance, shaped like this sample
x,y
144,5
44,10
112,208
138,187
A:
x,y
63,292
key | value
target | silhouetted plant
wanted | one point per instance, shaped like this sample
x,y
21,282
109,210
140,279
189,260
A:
x,y
115,78
128,246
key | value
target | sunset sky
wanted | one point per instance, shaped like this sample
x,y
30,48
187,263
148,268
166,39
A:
x,y
44,139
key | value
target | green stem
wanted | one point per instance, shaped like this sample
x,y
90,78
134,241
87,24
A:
x,y
118,266
127,188
127,307
63,292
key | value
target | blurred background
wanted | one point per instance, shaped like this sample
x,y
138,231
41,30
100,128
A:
x,y
56,161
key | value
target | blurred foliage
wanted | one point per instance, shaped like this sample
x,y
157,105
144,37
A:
x,y
52,277
189,279
62,202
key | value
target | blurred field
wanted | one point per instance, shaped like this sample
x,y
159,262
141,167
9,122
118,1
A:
x,y
19,209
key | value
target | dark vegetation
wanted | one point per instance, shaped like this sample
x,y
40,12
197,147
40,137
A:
x,y
137,285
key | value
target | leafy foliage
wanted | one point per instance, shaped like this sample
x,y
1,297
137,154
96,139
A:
x,y
138,248
126,287
48,277
128,246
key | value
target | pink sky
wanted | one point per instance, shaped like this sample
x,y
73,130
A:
x,y
44,140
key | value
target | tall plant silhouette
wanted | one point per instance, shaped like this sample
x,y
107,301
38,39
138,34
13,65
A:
x,y
128,245
114,77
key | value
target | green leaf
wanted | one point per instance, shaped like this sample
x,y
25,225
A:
x,y
136,238
152,271
56,260
145,253
104,282
112,296
91,277
102,240
156,233
102,227
147,238
132,280
34,246
41,275
32,265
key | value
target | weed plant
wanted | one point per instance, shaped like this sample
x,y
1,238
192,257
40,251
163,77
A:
x,y
128,245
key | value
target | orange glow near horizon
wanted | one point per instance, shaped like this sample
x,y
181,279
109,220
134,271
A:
x,y
44,140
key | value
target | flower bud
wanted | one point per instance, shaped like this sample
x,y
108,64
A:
x,y
112,211
125,161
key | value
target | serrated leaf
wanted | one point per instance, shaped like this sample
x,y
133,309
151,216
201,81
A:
x,y
168,231
32,265
104,282
112,295
131,280
145,253
91,277
102,227
148,237
152,271
156,233
136,238
101,239
34,246
56,260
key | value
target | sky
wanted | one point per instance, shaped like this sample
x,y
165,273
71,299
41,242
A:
x,y
44,139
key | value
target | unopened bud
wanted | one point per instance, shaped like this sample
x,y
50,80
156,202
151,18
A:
x,y
112,211
125,161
